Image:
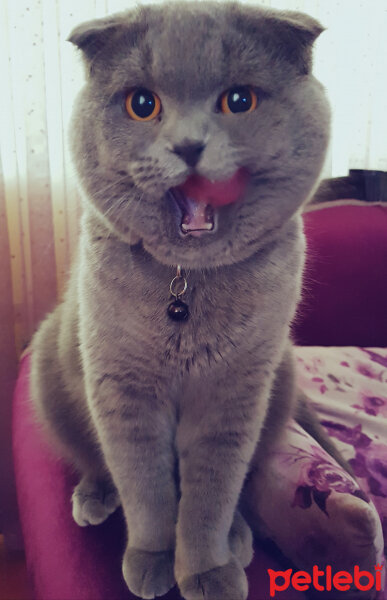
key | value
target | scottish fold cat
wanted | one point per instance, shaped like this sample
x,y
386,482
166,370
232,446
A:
x,y
198,138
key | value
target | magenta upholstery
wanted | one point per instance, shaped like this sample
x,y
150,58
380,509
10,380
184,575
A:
x,y
345,302
345,284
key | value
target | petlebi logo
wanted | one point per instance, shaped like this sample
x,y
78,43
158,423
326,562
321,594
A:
x,y
325,580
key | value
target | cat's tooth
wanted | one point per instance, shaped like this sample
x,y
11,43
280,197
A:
x,y
209,214
206,227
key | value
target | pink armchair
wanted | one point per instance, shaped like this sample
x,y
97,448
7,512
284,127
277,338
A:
x,y
344,304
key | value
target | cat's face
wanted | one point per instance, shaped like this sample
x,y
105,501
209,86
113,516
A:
x,y
207,93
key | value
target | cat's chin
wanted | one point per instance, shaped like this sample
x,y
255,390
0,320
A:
x,y
199,251
205,241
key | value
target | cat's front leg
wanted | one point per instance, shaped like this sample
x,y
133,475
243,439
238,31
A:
x,y
136,433
216,437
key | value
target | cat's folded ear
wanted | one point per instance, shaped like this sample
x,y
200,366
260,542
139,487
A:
x,y
298,32
306,28
94,36
289,34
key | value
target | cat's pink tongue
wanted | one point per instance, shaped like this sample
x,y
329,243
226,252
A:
x,y
215,193
198,197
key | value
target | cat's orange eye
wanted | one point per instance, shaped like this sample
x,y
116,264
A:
x,y
142,105
239,99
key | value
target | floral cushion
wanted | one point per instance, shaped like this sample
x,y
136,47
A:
x,y
315,512
348,388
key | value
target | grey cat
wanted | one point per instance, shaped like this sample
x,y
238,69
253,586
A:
x,y
160,415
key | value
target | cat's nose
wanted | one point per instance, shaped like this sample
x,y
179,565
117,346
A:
x,y
190,153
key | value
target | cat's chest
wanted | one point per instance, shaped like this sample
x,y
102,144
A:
x,y
226,320
231,312
217,325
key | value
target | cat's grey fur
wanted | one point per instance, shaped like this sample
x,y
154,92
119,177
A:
x,y
159,416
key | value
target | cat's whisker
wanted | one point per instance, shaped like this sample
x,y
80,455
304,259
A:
x,y
112,184
121,200
134,214
116,206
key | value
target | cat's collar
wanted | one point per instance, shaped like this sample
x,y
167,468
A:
x,y
177,309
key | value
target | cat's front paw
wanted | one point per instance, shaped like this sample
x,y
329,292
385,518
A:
x,y
228,582
93,502
148,574
241,540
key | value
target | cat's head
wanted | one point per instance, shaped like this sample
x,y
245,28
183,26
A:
x,y
200,130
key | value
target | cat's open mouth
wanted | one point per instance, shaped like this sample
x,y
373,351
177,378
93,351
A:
x,y
196,216
199,199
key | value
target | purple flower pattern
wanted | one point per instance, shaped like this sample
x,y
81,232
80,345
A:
x,y
372,465
318,476
348,387
372,405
